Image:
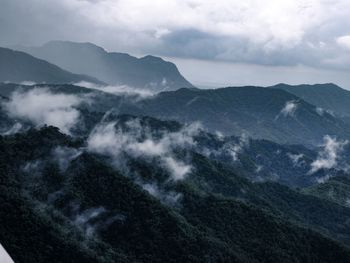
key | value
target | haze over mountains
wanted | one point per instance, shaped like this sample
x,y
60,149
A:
x,y
16,66
131,163
113,68
327,96
255,111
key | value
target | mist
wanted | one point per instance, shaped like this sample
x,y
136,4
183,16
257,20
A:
x,y
42,107
330,154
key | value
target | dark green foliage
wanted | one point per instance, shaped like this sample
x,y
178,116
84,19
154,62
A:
x,y
209,224
336,189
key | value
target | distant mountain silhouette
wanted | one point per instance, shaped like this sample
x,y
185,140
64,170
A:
x,y
326,96
260,113
113,68
18,66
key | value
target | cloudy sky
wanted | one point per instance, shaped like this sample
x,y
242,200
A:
x,y
214,42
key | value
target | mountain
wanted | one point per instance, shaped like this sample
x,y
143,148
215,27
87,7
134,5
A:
x,y
123,188
255,159
328,97
89,210
113,68
255,112
336,189
260,113
18,67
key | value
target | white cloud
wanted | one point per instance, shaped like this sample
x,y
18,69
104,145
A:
x,y
230,148
121,90
328,157
167,197
140,143
41,106
235,148
84,219
273,32
14,129
260,21
64,155
344,41
178,168
28,83
296,158
289,108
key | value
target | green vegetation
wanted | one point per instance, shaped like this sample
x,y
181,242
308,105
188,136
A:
x,y
220,217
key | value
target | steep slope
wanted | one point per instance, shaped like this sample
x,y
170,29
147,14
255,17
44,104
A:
x,y
260,113
90,212
256,159
325,96
114,68
255,112
18,66
262,160
336,189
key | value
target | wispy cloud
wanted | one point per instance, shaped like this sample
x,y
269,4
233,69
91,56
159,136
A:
x,y
328,157
121,90
41,106
167,197
296,158
230,148
139,142
15,128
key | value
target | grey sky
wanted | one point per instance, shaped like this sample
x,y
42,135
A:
x,y
287,35
209,74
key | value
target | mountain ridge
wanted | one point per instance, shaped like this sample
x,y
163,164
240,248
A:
x,y
112,67
328,96
18,66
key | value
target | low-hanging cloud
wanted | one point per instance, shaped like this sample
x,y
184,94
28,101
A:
x,y
64,155
296,158
121,90
289,109
139,142
167,197
41,106
15,128
230,148
235,148
329,156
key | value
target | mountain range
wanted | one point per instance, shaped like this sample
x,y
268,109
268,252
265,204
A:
x,y
328,97
147,72
16,66
257,112
93,212
95,168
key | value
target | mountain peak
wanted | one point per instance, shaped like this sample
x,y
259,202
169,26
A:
x,y
318,85
18,66
149,72
153,59
71,44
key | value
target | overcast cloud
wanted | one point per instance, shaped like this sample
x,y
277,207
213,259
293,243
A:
x,y
315,33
